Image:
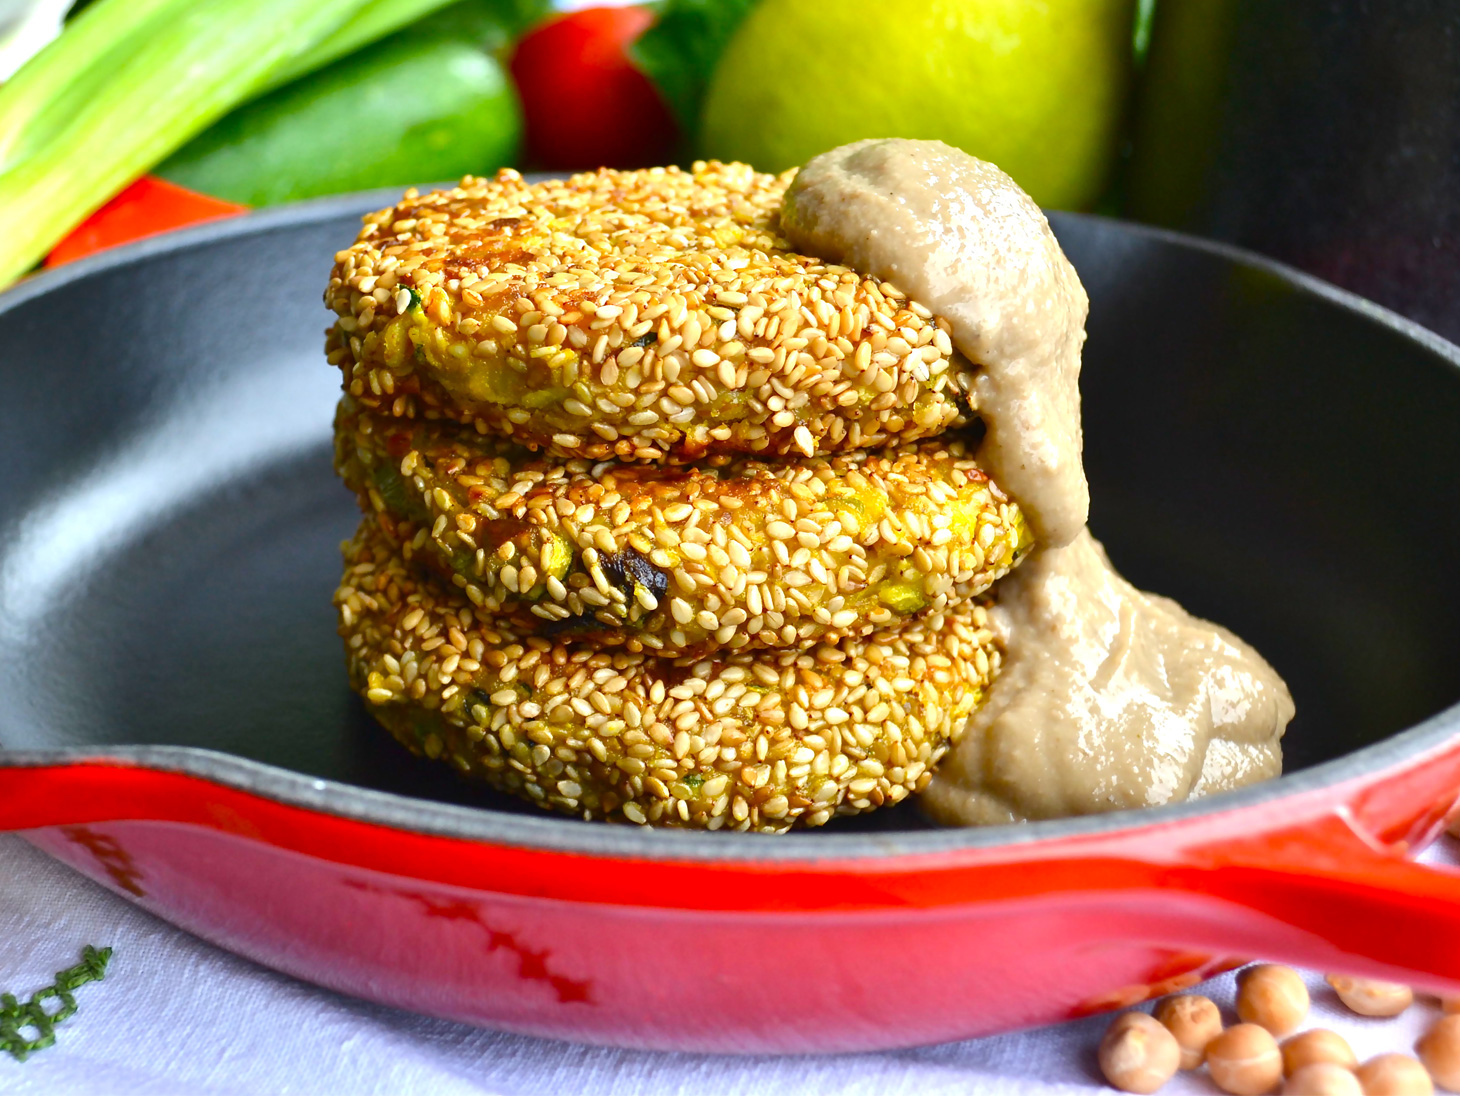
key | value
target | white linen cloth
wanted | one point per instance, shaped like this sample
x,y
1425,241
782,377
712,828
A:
x,y
178,1017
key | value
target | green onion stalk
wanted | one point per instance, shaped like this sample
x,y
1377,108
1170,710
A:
x,y
130,81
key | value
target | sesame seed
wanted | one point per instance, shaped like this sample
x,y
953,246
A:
x,y
601,740
785,552
594,273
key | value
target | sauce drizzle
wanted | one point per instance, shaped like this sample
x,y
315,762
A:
x,y
1108,697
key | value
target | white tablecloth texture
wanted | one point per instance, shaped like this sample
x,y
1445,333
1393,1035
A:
x,y
178,1017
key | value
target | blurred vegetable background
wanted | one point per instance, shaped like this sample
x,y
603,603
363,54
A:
x,y
428,102
1037,88
144,114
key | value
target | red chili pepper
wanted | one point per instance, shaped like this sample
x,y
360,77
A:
x,y
585,103
147,207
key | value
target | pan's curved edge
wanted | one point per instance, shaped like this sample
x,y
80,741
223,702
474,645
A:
x,y
179,239
561,834
361,202
1334,294
550,832
313,211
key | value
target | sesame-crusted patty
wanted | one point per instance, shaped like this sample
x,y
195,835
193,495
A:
x,y
684,560
655,315
750,740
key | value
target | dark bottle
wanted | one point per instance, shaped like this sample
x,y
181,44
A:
x,y
1325,133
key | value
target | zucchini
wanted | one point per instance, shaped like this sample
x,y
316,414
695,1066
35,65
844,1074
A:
x,y
424,106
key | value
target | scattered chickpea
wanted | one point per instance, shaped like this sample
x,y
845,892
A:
x,y
1322,1079
1137,1054
1195,1021
1370,998
1449,1005
1272,996
1394,1075
1318,1045
1244,1060
1439,1050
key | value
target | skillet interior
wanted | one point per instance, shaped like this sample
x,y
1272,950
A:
x,y
169,522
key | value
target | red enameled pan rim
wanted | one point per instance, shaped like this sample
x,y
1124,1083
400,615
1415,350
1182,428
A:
x,y
552,833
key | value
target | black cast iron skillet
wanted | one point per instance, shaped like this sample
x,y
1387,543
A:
x,y
1277,455
169,522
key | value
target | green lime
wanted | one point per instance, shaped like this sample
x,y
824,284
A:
x,y
1037,87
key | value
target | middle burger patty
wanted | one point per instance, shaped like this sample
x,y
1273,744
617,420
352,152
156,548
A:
x,y
685,560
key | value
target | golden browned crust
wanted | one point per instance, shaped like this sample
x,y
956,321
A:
x,y
653,315
748,741
677,560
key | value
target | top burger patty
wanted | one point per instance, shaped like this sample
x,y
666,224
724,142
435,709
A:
x,y
653,316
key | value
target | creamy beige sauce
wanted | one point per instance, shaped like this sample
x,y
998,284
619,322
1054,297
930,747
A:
x,y
962,238
1108,697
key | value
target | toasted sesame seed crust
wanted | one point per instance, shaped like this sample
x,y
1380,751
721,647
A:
x,y
745,741
685,560
652,316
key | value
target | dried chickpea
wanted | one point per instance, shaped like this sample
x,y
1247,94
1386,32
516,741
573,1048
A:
x,y
1244,1060
1318,1045
1322,1079
1195,1021
1439,1050
1394,1075
1368,997
1272,996
1449,1005
1137,1054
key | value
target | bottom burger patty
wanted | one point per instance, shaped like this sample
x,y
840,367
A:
x,y
755,740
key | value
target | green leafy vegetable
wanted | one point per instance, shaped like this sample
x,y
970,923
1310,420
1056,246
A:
x,y
497,24
680,51
48,90
1141,35
36,1014
129,81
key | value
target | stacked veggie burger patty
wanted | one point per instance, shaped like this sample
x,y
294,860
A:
x,y
663,521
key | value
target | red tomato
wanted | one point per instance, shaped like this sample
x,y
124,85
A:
x,y
147,207
585,103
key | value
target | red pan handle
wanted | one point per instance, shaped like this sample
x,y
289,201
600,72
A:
x,y
1339,900
1319,893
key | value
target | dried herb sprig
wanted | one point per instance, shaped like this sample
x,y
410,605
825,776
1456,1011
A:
x,y
15,1017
